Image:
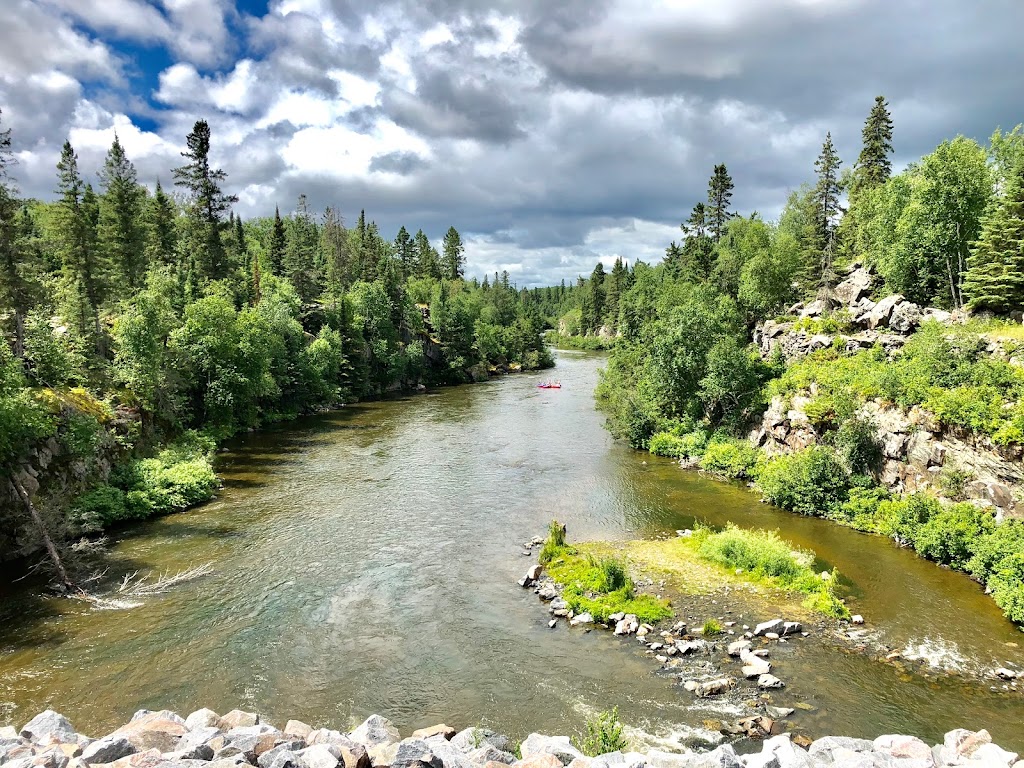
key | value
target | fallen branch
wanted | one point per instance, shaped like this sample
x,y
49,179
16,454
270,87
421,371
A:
x,y
134,587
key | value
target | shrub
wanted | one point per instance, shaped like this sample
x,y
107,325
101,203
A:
x,y
811,482
604,734
902,519
711,627
554,544
601,588
860,509
99,508
856,443
666,444
1007,585
614,575
1005,540
729,458
951,534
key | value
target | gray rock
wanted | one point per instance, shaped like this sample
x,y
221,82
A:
x,y
855,287
736,648
723,756
993,755
905,317
627,625
769,682
51,758
658,759
775,625
559,746
488,754
828,744
108,749
714,687
791,628
200,735
583,618
688,647
376,730
450,755
879,316
49,727
8,732
474,738
202,718
319,756
413,753
271,757
786,753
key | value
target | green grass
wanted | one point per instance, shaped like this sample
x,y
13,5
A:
x,y
765,557
603,734
596,586
711,628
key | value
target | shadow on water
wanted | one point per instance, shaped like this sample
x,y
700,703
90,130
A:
x,y
365,560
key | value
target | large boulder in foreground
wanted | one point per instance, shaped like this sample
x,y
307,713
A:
x,y
376,730
559,746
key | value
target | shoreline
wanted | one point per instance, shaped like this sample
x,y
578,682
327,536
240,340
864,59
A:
x,y
205,739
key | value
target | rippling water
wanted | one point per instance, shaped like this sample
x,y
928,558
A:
x,y
365,560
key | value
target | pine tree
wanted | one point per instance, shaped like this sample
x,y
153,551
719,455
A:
x,y
616,283
873,165
719,194
698,250
995,268
19,266
453,261
161,235
673,260
300,253
596,293
82,267
335,251
278,243
427,259
209,203
405,250
826,214
121,235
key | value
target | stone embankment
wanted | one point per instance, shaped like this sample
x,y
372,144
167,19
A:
x,y
239,739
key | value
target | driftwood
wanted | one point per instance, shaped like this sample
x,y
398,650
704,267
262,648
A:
x,y
51,549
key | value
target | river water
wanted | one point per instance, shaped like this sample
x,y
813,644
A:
x,y
365,561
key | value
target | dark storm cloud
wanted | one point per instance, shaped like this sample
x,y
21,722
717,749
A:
x,y
402,163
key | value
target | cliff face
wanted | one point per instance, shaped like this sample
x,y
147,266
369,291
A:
x,y
918,453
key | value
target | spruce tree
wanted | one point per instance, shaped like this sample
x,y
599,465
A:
x,y
300,252
995,268
278,243
335,250
698,249
83,283
20,266
453,260
596,292
616,284
427,258
121,235
405,250
208,204
826,214
719,194
161,235
873,166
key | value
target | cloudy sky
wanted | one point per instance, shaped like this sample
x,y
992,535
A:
x,y
551,133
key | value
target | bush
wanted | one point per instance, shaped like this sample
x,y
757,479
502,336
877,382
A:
x,y
950,535
601,587
99,508
811,482
604,734
860,510
902,519
1007,585
666,444
990,551
732,458
711,628
856,443
554,544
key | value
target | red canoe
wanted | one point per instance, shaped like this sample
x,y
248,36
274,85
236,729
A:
x,y
550,386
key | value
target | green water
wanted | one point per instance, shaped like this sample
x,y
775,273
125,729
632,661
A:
x,y
364,561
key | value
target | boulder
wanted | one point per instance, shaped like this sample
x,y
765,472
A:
x,y
8,733
723,756
474,738
283,753
855,287
202,718
687,647
583,618
51,758
154,730
754,666
108,749
736,648
910,751
993,755
775,625
714,687
49,727
769,682
297,728
149,758
826,745
236,718
488,754
376,730
756,727
559,746
382,754
547,592
628,625
318,756
251,740
197,736
905,317
791,628
540,760
879,316
434,730
415,753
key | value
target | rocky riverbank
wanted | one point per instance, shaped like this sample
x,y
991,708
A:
x,y
205,739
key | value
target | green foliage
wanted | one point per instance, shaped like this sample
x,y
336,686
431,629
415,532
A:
x,y
23,419
902,519
603,734
812,482
675,446
1007,585
991,550
857,445
950,535
711,628
554,543
766,557
729,458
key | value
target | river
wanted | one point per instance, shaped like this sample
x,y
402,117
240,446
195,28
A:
x,y
365,561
